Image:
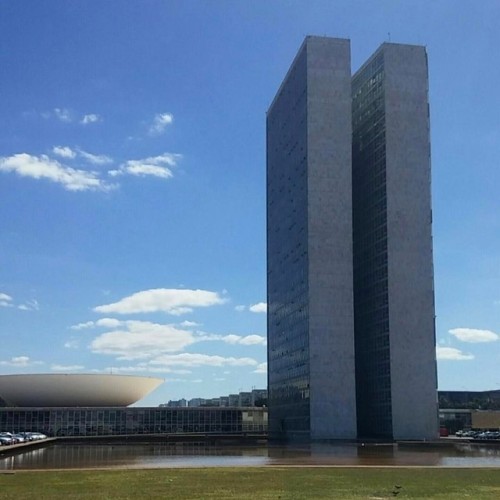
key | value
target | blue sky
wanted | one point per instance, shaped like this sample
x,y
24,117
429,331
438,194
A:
x,y
132,181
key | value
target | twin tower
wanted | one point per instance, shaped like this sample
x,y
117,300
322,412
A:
x,y
351,322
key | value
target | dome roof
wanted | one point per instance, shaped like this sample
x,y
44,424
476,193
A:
x,y
45,390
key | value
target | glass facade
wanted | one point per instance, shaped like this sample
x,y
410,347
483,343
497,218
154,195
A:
x,y
120,421
370,271
287,256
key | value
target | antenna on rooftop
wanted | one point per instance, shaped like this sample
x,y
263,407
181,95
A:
x,y
389,35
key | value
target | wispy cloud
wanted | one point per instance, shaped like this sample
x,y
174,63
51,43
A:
x,y
261,368
196,360
155,166
160,123
5,300
72,344
70,154
63,115
82,326
66,368
260,307
189,324
452,354
240,308
95,159
235,339
474,336
144,368
66,115
20,361
30,305
64,152
43,167
90,118
169,300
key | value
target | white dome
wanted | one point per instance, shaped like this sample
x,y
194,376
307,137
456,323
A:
x,y
45,390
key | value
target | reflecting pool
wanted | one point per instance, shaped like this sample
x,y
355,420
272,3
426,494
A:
x,y
207,454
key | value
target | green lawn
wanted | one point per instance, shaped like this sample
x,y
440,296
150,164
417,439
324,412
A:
x,y
254,483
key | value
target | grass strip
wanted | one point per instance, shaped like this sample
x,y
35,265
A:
x,y
254,483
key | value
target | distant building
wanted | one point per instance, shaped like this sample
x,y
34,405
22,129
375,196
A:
x,y
180,403
245,399
233,399
259,396
351,335
478,400
196,402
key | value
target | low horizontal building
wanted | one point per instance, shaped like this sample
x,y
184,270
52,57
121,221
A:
x,y
119,421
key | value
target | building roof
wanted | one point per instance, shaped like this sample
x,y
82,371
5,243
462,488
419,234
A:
x,y
46,390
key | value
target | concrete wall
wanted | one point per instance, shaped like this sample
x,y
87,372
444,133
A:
x,y
331,323
409,235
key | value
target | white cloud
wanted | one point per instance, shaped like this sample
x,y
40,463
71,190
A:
x,y
95,159
261,307
5,300
230,339
90,118
64,152
72,344
261,368
169,300
42,167
104,322
20,361
474,336
233,339
450,353
189,324
240,308
142,339
160,123
194,360
247,340
71,154
82,326
63,114
66,368
144,368
155,166
109,322
253,340
31,305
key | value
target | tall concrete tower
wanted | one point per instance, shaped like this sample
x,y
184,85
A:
x,y
351,338
396,384
311,379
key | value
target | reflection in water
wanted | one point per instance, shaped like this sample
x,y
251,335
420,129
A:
x,y
207,454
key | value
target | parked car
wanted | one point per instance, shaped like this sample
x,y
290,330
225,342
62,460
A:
x,y
5,441
20,437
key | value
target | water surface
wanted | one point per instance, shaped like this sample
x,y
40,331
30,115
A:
x,y
204,454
